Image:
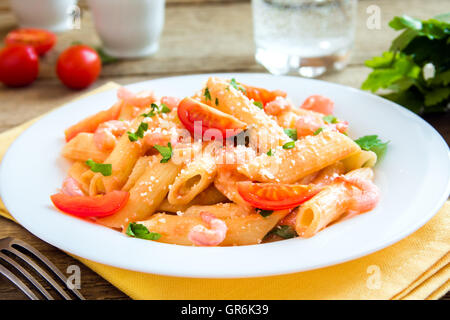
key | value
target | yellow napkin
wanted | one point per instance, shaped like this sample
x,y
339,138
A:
x,y
416,267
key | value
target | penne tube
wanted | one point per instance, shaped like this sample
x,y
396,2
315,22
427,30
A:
x,y
208,197
219,210
138,170
82,148
265,133
328,174
361,159
78,172
193,179
242,230
226,182
308,155
327,206
146,195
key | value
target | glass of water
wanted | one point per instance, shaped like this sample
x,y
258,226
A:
x,y
307,37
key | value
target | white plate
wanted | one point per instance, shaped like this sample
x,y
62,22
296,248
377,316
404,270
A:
x,y
414,178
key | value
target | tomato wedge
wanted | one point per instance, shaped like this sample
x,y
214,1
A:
x,y
91,123
96,206
275,196
262,95
41,40
191,111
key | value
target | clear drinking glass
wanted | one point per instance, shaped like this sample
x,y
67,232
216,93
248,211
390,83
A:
x,y
308,37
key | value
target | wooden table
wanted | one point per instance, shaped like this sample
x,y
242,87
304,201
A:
x,y
199,36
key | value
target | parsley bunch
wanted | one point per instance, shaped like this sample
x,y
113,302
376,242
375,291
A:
x,y
416,69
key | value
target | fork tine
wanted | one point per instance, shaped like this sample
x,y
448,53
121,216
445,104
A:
x,y
47,262
27,275
19,283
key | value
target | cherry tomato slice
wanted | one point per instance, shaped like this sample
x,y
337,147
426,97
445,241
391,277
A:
x,y
91,123
41,40
275,196
262,95
319,104
96,206
191,111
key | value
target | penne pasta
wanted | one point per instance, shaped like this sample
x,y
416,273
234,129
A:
x,y
361,159
82,148
309,155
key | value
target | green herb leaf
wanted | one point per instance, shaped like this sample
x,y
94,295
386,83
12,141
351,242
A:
x,y
164,108
291,133
166,152
264,213
207,94
104,168
285,232
217,101
237,86
372,143
140,231
330,119
318,131
289,145
270,152
258,104
104,57
139,132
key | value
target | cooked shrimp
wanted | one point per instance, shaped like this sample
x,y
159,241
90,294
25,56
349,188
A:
x,y
71,187
170,102
366,199
140,100
307,125
211,236
319,104
105,137
277,106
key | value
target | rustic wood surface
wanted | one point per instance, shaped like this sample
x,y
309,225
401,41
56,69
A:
x,y
199,36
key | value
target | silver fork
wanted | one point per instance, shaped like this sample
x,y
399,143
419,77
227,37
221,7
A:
x,y
13,246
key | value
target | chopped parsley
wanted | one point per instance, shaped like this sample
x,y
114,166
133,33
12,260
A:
x,y
237,86
270,152
163,108
318,131
166,152
291,133
207,94
372,143
289,145
217,101
139,132
285,232
104,168
258,104
264,213
140,231
330,119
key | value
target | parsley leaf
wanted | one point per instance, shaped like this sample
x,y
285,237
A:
x,y
372,143
270,152
139,132
289,145
217,101
264,213
104,168
330,119
166,152
291,133
207,94
258,104
164,108
284,231
318,131
140,231
237,86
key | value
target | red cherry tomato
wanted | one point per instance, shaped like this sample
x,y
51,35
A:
x,y
262,95
96,206
19,65
41,40
319,104
191,111
275,196
78,66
